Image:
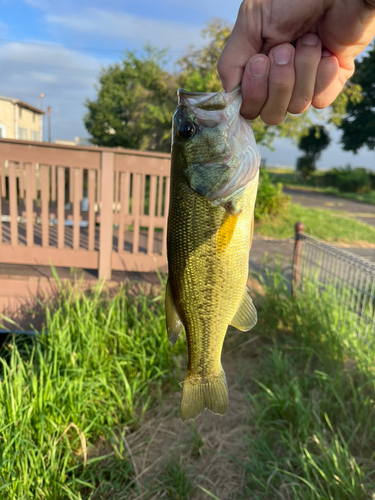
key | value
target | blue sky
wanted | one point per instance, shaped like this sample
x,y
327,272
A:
x,y
58,48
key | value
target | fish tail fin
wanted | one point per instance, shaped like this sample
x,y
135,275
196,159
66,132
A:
x,y
198,395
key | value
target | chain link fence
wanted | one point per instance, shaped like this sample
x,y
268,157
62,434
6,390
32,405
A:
x,y
350,277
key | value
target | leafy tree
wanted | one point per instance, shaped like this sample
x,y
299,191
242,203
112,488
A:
x,y
137,97
197,69
316,140
359,124
135,103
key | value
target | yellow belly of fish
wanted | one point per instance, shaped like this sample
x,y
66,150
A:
x,y
208,251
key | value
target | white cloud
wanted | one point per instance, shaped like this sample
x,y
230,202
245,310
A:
x,y
129,28
66,78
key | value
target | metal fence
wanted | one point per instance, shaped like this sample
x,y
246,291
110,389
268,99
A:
x,y
351,278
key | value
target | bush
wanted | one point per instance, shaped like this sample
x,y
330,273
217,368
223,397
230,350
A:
x,y
306,165
270,198
348,180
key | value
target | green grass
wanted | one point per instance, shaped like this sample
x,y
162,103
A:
x,y
87,381
313,402
292,180
327,225
63,390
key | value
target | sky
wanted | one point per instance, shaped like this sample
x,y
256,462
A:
x,y
58,49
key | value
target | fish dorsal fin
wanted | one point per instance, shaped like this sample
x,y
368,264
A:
x,y
174,324
246,316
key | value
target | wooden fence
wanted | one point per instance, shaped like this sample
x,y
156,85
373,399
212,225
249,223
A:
x,y
91,208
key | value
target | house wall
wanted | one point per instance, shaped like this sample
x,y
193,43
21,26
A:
x,y
7,119
29,123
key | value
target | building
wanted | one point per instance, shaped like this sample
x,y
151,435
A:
x,y
78,141
19,120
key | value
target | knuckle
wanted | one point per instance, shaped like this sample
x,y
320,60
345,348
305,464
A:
x,y
298,107
282,85
283,89
250,115
272,119
320,102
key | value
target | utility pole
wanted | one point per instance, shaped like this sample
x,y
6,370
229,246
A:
x,y
49,123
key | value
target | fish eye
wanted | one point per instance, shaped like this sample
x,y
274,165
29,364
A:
x,y
186,129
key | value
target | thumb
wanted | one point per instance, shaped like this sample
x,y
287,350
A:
x,y
240,47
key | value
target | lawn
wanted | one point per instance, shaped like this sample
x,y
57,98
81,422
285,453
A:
x,y
74,401
292,180
327,225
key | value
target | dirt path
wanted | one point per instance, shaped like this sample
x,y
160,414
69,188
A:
x,y
363,212
211,450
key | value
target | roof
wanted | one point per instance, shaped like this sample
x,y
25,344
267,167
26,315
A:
x,y
22,104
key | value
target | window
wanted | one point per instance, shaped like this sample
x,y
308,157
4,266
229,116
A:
x,y
19,112
22,133
34,135
2,132
34,117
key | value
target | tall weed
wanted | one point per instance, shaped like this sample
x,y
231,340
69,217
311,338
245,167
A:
x,y
87,373
313,403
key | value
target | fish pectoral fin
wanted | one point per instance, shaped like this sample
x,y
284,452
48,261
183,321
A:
x,y
174,324
246,316
197,395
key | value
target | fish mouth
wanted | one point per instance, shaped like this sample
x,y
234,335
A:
x,y
209,101
207,94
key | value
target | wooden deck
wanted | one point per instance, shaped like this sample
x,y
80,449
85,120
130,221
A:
x,y
83,238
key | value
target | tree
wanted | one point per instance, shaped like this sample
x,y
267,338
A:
x,y
316,140
137,97
135,103
359,124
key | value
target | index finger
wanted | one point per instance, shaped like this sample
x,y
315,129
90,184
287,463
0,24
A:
x,y
240,47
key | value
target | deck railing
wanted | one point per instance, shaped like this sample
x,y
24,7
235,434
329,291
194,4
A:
x,y
86,207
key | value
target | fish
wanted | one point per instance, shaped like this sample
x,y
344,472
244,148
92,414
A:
x,y
214,178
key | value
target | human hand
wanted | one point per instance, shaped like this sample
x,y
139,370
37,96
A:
x,y
278,77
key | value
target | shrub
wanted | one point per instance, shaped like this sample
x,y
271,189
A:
x,y
349,180
270,198
306,165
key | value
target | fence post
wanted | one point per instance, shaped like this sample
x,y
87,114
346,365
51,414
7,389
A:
x,y
298,228
106,215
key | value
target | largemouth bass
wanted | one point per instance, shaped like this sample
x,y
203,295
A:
x,y
214,179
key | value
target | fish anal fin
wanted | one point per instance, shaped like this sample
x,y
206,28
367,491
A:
x,y
246,316
199,395
174,323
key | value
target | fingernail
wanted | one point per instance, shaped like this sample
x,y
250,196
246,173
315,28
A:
x,y
309,39
326,53
282,55
258,67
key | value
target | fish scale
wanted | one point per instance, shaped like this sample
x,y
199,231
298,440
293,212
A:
x,y
208,246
